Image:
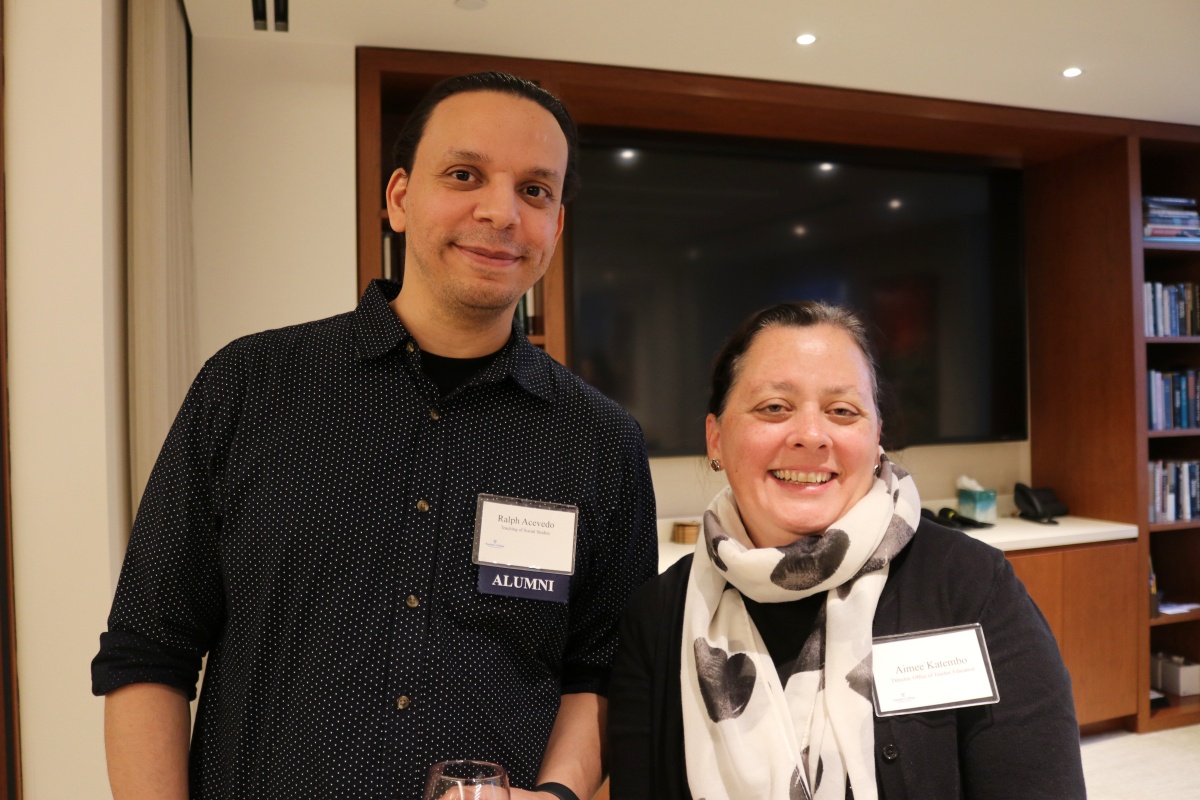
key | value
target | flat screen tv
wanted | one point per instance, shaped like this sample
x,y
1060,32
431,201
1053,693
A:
x,y
675,240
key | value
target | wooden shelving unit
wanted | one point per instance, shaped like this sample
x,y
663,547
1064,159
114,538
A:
x,y
1085,264
1173,619
1171,166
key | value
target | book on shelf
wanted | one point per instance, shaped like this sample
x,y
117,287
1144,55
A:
x,y
1168,232
531,302
1174,490
527,312
1173,399
1187,397
387,256
1170,219
1159,217
1159,201
1189,492
1171,309
522,315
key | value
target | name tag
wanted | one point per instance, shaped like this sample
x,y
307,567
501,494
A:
x,y
524,548
932,670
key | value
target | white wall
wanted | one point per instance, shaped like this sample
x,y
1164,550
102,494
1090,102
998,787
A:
x,y
63,131
274,185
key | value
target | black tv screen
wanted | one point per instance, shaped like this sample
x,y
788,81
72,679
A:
x,y
674,242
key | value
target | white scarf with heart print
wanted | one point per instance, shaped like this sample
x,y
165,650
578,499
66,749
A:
x,y
745,735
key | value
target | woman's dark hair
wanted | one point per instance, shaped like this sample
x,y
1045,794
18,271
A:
x,y
404,152
800,314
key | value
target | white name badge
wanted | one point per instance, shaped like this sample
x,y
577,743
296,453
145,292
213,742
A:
x,y
525,534
932,670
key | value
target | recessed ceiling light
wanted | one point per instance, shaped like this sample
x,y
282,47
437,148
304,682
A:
x,y
470,5
1072,72
826,167
628,154
799,230
894,204
805,38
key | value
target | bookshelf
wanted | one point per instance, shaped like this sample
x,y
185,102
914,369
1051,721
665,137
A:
x,y
1172,164
1085,265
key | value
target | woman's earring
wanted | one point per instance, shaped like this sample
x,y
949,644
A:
x,y
715,464
877,468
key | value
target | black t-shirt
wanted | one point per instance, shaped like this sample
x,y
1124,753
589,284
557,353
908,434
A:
x,y
785,627
450,373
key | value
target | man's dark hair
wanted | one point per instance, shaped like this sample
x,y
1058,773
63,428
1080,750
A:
x,y
405,150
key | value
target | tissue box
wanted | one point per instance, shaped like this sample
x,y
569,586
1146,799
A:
x,y
1175,675
1179,678
977,505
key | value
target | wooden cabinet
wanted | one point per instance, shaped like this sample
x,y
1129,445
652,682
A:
x,y
1091,604
1085,265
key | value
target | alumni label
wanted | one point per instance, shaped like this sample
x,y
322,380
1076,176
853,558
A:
x,y
520,583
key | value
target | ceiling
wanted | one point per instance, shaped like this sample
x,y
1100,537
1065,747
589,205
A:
x,y
1140,59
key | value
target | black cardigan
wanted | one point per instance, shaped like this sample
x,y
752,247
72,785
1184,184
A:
x,y
1025,746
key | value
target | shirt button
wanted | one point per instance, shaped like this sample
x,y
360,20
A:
x,y
410,347
422,505
412,601
890,753
434,414
403,702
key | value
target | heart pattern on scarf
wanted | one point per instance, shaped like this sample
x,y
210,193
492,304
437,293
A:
x,y
812,654
810,560
711,541
797,790
726,682
860,678
894,539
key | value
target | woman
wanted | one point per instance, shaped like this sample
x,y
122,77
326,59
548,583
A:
x,y
744,671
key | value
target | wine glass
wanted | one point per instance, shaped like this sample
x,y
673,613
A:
x,y
463,779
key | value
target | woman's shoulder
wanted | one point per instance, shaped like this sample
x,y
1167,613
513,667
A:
x,y
654,617
943,577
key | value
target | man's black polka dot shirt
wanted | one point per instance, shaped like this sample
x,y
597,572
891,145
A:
x,y
309,525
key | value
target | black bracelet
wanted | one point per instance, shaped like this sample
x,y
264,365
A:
x,y
558,790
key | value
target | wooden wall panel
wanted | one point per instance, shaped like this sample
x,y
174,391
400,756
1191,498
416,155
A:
x,y
1083,358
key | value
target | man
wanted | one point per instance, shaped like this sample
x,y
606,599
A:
x,y
368,522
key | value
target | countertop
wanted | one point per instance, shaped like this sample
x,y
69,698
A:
x,y
1009,533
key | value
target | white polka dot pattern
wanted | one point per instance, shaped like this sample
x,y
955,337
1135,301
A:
x,y
309,525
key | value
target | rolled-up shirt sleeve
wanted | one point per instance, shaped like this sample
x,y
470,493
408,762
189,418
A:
x,y
169,603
